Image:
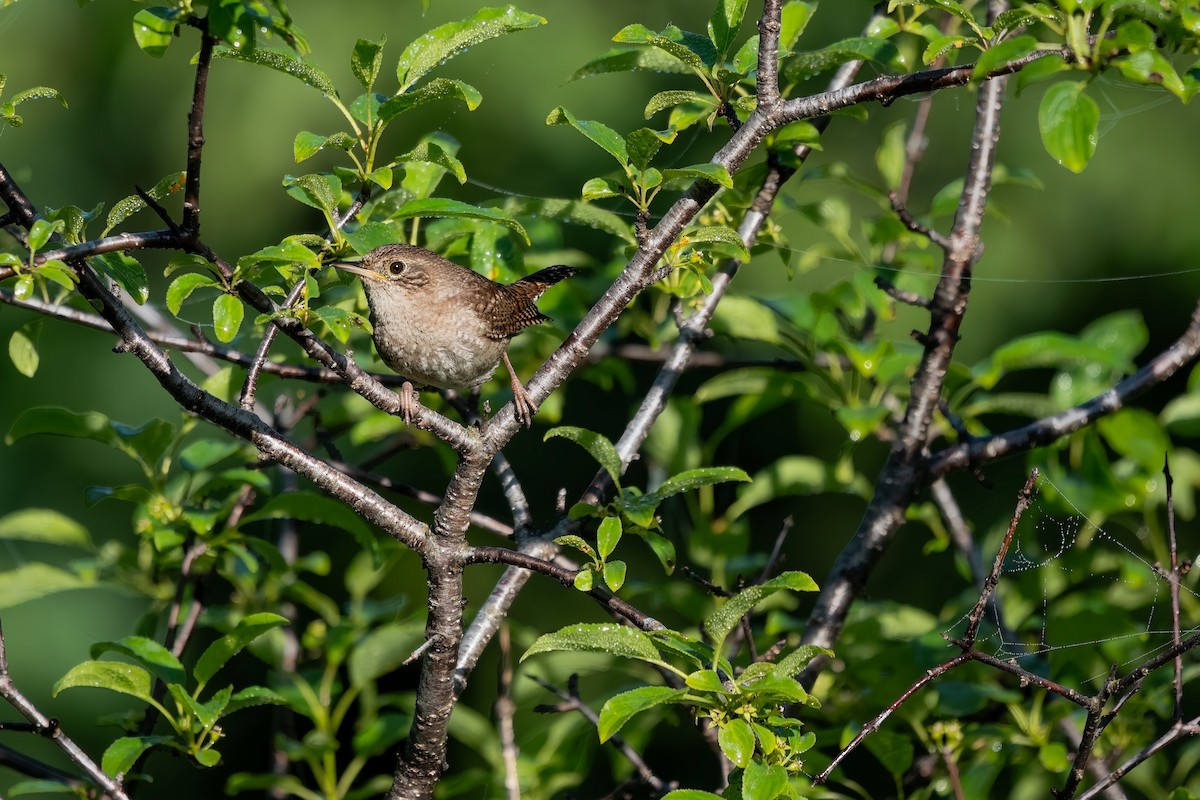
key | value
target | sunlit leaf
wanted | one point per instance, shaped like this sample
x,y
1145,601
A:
x,y
282,62
597,445
1067,119
446,41
217,654
621,708
737,742
597,637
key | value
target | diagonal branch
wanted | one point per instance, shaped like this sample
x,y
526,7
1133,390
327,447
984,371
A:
x,y
901,476
1043,431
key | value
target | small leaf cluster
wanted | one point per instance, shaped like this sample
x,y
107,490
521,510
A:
x,y
8,108
631,510
193,721
346,648
764,744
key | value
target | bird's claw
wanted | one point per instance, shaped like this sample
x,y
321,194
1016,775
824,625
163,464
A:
x,y
408,403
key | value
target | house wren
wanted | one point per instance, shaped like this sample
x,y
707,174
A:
x,y
441,324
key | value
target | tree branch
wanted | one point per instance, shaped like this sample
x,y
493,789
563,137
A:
x,y
1049,429
901,476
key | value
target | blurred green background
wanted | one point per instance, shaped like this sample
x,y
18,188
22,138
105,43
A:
x,y
1080,247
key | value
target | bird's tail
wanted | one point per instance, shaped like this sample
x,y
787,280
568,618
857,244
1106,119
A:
x,y
532,286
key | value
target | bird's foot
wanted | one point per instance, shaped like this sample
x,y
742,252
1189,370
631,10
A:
x,y
523,407
408,402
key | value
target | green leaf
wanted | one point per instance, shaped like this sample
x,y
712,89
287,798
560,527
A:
x,y
599,447
643,143
580,544
228,312
725,22
1137,435
608,535
207,713
182,287
1067,119
878,51
573,212
145,443
320,191
128,272
672,98
153,29
1152,68
798,659
366,59
204,453
340,321
282,62
446,41
35,580
718,624
631,60
132,204
715,234
599,133
253,696
441,207
693,50
22,348
762,782
691,479
8,110
957,9
58,272
432,152
219,652
714,173
436,89
382,651
44,525
601,188
736,739
662,547
112,675
706,680
370,235
621,708
1007,51
584,579
893,750
40,232
597,637
614,575
123,753
37,786
149,652
690,794
308,144
292,250
311,507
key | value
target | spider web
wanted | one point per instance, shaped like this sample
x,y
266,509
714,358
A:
x,y
1077,594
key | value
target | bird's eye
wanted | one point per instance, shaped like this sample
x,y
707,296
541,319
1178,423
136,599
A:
x,y
395,268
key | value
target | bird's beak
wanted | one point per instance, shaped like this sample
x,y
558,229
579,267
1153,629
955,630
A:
x,y
357,269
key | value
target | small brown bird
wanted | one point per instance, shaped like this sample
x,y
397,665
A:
x,y
441,324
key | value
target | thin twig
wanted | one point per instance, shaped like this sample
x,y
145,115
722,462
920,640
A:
x,y
49,728
515,558
572,702
1173,580
505,711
